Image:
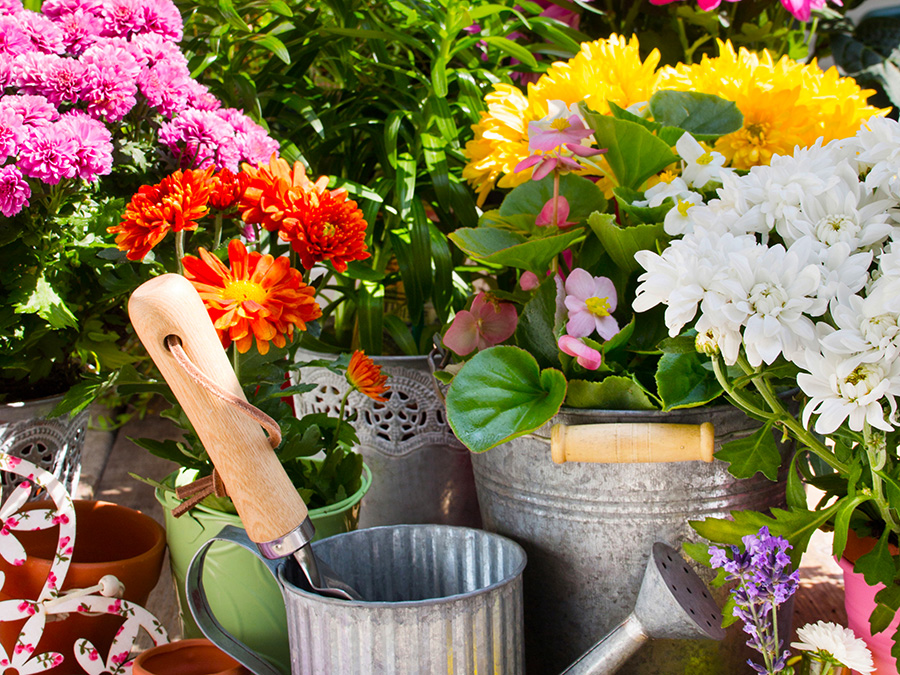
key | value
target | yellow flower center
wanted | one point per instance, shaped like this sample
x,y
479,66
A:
x,y
859,374
705,158
683,206
758,131
243,290
560,124
598,306
328,229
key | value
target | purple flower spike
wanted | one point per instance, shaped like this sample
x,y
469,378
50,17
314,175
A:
x,y
764,581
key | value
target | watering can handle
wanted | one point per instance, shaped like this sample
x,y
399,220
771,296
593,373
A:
x,y
632,442
269,505
200,609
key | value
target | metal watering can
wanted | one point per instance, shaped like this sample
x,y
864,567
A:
x,y
410,599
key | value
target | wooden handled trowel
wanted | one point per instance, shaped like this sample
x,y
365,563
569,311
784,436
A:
x,y
274,514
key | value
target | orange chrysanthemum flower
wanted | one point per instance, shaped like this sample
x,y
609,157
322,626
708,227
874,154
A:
x,y
365,376
323,224
266,187
227,188
175,204
259,297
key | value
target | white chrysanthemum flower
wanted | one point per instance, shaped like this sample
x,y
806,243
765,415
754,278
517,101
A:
x,y
779,188
701,165
850,388
685,274
877,145
773,294
678,220
841,269
835,641
866,324
846,213
731,212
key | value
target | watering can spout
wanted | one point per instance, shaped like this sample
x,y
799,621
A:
x,y
673,603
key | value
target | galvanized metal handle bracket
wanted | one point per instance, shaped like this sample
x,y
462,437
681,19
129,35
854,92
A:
x,y
200,609
632,442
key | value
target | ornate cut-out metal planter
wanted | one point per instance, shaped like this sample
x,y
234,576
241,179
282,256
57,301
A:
x,y
421,472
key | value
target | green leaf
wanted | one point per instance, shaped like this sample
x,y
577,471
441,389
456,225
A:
x,y
796,525
513,49
501,394
634,153
400,334
501,247
621,243
846,507
683,382
682,344
794,492
370,313
641,214
754,453
704,116
877,566
887,602
614,392
583,196
534,332
231,15
46,303
274,45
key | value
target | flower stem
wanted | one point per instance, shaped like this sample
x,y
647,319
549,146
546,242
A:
x,y
877,455
236,361
556,198
217,240
782,416
179,249
337,427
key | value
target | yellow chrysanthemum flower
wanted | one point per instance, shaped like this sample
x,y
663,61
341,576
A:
x,y
604,70
785,104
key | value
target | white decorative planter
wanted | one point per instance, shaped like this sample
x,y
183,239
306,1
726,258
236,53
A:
x,y
54,445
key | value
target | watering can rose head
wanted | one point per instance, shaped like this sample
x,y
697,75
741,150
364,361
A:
x,y
602,184
259,232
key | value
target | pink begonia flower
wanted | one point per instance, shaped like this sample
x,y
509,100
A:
x,y
705,5
587,357
529,281
561,129
489,322
802,9
591,302
545,217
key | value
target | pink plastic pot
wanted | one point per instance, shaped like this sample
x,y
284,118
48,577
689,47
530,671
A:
x,y
859,599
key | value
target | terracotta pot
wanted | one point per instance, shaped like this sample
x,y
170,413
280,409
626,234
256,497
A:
x,y
187,657
109,539
859,599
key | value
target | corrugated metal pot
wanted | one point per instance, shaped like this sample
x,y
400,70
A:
x,y
588,530
440,599
421,472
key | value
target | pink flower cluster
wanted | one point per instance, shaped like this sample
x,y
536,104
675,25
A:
x,y
74,77
800,9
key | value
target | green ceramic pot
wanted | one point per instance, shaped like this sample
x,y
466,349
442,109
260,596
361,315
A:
x,y
242,594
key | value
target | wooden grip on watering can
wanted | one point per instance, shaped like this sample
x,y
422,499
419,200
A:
x,y
632,442
263,495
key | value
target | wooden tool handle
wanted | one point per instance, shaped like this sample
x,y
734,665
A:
x,y
267,502
639,442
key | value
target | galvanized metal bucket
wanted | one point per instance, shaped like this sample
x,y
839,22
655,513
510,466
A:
x,y
588,529
421,472
440,599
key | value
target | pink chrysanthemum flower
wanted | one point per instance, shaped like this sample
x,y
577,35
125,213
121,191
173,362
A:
x,y
165,87
11,130
110,81
80,30
14,191
45,36
35,111
93,154
10,6
200,98
122,18
163,18
199,139
49,154
253,143
60,79
13,39
150,49
57,8
7,71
